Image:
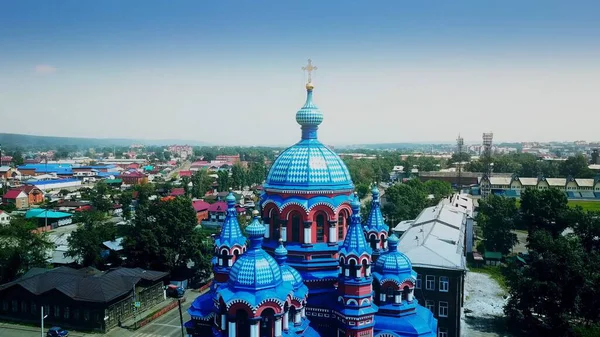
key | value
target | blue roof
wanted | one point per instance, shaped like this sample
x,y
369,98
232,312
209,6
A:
x,y
309,165
290,274
418,323
393,264
231,234
375,220
48,168
42,213
255,269
47,182
355,242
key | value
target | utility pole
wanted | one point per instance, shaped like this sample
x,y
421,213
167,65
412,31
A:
x,y
180,316
42,315
460,142
134,309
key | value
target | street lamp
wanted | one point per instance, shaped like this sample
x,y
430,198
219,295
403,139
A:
x,y
43,317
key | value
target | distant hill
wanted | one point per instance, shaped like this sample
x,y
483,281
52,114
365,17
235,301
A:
x,y
13,140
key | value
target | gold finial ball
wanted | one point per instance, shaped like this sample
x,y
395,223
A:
x,y
255,213
309,86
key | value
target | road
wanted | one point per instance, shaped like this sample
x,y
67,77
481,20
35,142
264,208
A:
x,y
182,167
167,325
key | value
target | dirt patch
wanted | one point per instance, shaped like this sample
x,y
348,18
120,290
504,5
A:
x,y
483,314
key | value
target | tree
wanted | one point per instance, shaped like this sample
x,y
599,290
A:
x,y
144,192
201,183
405,201
185,182
544,209
577,167
163,236
85,243
99,196
21,248
362,190
460,157
439,189
125,199
224,180
238,176
497,220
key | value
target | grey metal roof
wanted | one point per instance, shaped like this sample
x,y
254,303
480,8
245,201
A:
x,y
436,238
87,284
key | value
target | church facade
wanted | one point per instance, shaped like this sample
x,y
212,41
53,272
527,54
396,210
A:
x,y
309,265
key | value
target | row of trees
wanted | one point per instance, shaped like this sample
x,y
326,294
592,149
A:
x,y
528,165
558,289
367,171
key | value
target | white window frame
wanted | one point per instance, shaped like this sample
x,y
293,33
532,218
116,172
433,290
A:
x,y
444,284
442,332
443,305
430,305
419,281
428,280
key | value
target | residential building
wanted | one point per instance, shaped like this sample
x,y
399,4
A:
x,y
4,218
48,219
84,299
34,194
201,207
183,151
574,188
216,212
6,172
17,198
231,159
133,178
435,244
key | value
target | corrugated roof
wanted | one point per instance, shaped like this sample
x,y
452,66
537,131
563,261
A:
x,y
500,180
86,284
436,238
556,181
585,182
528,181
13,194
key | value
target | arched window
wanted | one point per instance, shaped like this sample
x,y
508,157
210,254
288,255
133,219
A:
x,y
382,241
274,225
373,241
405,293
320,228
389,294
296,227
267,324
341,226
241,323
353,267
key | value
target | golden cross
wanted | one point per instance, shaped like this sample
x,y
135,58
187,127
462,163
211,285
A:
x,y
309,69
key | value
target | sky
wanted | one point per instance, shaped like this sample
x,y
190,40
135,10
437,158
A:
x,y
229,72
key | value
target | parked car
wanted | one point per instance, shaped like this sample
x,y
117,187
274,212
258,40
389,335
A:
x,y
175,291
57,332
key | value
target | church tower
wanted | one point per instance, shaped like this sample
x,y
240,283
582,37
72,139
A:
x,y
375,229
230,243
355,308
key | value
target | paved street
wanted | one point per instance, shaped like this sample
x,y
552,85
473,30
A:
x,y
166,326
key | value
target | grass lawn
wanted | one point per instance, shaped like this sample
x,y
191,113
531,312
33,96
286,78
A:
x,y
587,205
493,271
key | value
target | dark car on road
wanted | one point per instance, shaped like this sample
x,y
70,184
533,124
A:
x,y
57,332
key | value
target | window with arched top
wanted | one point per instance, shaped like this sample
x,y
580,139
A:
x,y
389,294
341,226
373,241
296,227
320,228
274,224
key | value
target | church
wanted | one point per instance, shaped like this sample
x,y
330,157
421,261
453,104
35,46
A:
x,y
308,265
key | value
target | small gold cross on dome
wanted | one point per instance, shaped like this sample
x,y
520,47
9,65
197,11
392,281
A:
x,y
309,69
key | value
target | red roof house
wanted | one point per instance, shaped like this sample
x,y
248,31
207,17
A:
x,y
185,173
201,207
177,191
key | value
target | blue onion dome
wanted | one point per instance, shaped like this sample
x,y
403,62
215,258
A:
x,y
375,220
309,115
309,165
393,261
355,242
231,234
288,273
255,269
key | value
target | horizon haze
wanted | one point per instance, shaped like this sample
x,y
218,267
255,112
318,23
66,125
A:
x,y
229,72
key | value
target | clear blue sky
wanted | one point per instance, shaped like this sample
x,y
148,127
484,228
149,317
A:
x,y
229,71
